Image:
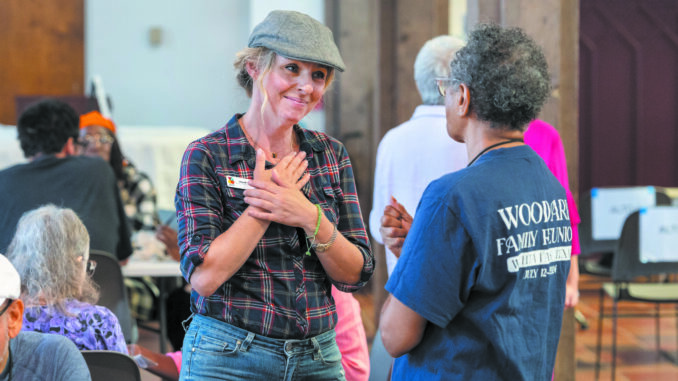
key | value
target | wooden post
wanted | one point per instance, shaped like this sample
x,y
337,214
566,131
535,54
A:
x,y
379,40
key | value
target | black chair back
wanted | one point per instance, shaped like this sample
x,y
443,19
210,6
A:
x,y
111,366
112,292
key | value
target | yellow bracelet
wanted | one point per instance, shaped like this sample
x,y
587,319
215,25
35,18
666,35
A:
x,y
320,247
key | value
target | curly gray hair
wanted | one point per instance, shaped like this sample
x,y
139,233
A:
x,y
433,61
50,250
506,73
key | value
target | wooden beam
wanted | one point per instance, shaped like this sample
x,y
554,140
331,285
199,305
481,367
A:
x,y
379,40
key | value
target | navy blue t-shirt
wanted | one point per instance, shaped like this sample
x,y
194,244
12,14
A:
x,y
486,263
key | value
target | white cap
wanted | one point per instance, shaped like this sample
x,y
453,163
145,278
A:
x,y
10,283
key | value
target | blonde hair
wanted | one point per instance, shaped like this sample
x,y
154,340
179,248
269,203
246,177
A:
x,y
263,59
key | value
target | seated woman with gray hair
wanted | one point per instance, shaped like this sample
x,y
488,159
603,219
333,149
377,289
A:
x,y
50,250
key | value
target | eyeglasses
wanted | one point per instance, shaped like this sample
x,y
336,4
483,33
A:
x,y
9,303
443,84
89,140
91,266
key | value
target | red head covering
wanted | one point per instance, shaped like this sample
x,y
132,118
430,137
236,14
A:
x,y
94,118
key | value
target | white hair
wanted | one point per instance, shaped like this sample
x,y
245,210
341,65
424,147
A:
x,y
433,61
49,250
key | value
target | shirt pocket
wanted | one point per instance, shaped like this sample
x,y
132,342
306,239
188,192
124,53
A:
x,y
234,203
327,199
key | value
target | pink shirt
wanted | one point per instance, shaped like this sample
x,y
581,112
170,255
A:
x,y
351,339
176,357
545,141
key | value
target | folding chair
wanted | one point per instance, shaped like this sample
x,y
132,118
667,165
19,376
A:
x,y
112,292
111,366
645,249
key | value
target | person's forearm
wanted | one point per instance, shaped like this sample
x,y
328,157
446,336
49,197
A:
x,y
342,261
573,275
227,253
572,284
401,328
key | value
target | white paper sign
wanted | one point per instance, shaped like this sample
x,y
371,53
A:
x,y
611,206
658,234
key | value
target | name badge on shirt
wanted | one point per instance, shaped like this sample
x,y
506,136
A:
x,y
237,182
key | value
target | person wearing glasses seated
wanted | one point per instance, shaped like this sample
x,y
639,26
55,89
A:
x,y
50,250
98,139
31,355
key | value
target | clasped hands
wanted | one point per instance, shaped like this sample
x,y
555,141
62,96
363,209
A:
x,y
395,224
276,193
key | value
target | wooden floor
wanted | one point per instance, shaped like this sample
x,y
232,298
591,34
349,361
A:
x,y
637,357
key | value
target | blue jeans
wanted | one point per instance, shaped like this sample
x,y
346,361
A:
x,y
215,350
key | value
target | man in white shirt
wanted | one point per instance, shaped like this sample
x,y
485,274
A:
x,y
412,155
418,151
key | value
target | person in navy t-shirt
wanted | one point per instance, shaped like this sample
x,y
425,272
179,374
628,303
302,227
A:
x,y
479,289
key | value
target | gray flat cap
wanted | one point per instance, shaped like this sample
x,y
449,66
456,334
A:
x,y
297,36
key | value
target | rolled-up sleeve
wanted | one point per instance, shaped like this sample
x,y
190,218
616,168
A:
x,y
199,205
350,221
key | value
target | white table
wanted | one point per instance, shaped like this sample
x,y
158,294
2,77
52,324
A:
x,y
157,269
161,269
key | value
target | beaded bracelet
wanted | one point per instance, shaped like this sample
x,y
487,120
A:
x,y
310,244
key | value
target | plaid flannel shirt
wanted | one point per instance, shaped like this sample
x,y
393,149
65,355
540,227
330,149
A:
x,y
138,196
279,292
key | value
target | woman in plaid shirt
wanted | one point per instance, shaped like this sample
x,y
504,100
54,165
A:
x,y
269,219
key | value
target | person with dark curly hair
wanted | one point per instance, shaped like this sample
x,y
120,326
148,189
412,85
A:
x,y
479,288
48,132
